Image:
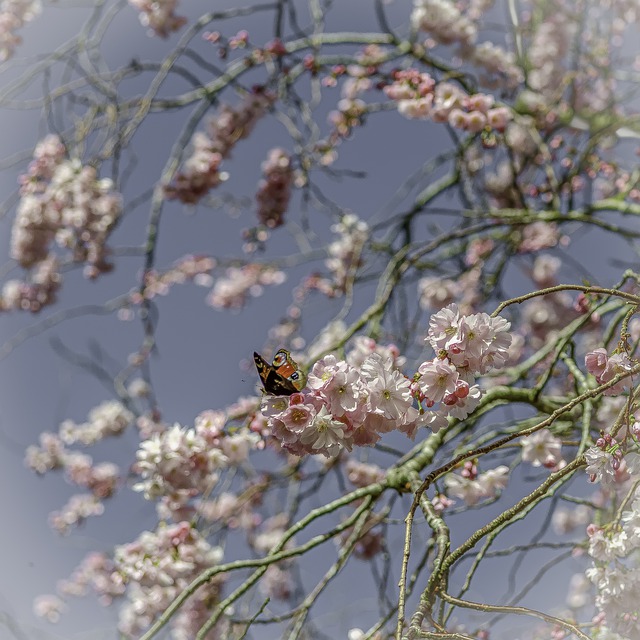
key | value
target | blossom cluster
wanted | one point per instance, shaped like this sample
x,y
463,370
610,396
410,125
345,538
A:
x,y
14,14
615,571
446,24
345,251
201,171
189,268
37,292
435,292
542,448
497,62
62,202
544,316
274,191
180,463
346,405
156,568
100,479
159,16
239,283
470,486
605,368
108,419
351,109
418,96
549,47
444,21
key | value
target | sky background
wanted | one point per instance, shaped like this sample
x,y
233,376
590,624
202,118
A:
x,y
203,354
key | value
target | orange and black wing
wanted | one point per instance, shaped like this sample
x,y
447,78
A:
x,y
273,382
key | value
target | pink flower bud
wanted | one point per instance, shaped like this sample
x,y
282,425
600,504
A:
x,y
276,48
596,361
581,305
450,399
462,389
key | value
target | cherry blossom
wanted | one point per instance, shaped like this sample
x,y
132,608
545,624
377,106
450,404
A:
x,y
541,448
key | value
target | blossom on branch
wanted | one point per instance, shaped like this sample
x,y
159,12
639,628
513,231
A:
x,y
354,404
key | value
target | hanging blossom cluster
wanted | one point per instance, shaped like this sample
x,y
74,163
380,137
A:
x,y
497,62
149,572
613,548
157,567
201,171
180,463
100,480
471,486
605,368
63,203
542,449
615,571
39,291
108,419
446,23
241,283
274,191
344,256
231,290
189,268
434,292
14,14
346,405
159,16
418,96
549,48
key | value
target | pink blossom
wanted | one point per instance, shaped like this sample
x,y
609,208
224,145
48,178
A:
x,y
541,448
239,284
325,435
323,371
438,378
297,417
596,361
389,392
442,326
618,363
344,391
600,466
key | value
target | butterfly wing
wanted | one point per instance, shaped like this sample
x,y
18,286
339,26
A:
x,y
288,368
272,381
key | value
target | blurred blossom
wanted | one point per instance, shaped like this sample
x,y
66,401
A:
x,y
541,448
159,16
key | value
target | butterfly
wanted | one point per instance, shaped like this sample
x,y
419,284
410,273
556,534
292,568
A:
x,y
282,377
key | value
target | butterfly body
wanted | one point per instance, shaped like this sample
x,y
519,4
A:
x,y
282,377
